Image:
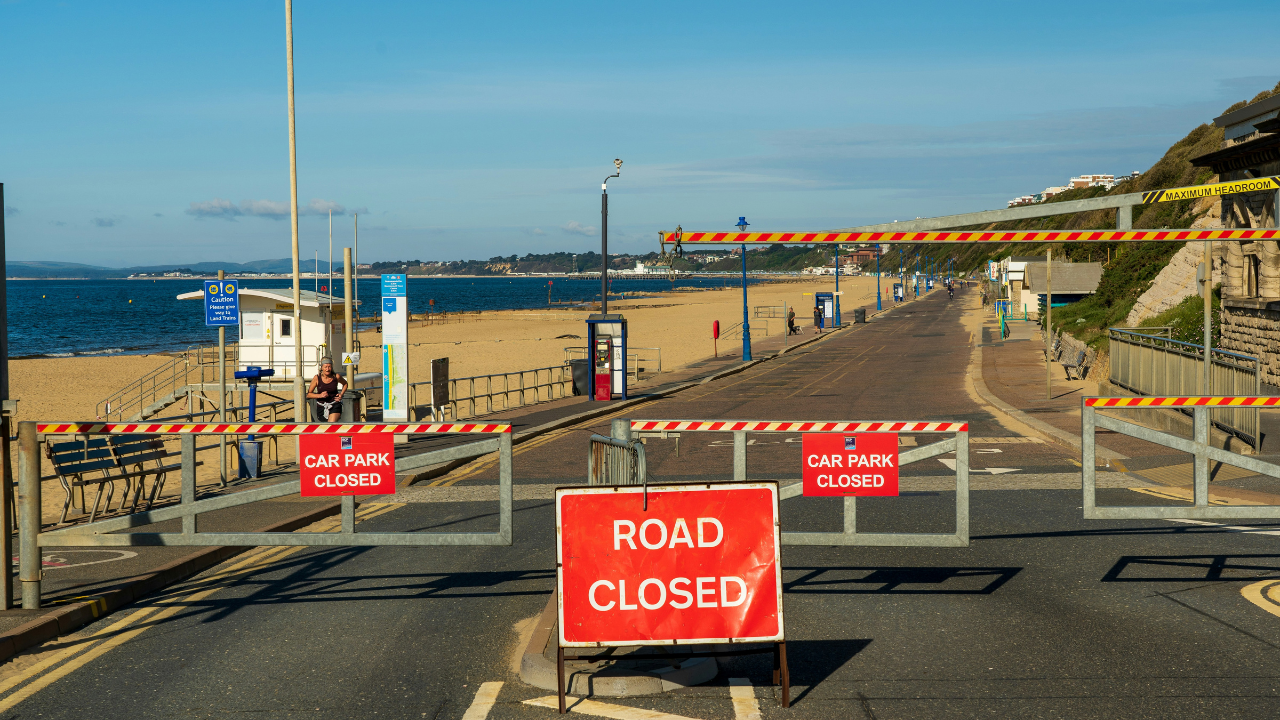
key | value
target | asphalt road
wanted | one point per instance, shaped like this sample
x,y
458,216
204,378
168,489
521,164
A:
x,y
1044,615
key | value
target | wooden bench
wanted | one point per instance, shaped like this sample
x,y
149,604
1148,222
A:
x,y
99,461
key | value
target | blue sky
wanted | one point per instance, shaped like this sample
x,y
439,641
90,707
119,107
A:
x,y
140,133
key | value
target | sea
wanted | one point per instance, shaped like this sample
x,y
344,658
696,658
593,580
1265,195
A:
x,y
68,318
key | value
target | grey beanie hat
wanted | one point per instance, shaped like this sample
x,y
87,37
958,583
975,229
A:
x,y
326,360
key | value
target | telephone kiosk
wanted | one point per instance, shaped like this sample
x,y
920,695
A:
x,y
607,351
897,292
826,302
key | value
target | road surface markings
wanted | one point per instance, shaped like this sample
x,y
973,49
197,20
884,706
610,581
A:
x,y
745,706
951,463
1233,528
1265,594
485,697
599,709
1188,495
155,611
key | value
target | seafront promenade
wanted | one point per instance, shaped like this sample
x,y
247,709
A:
x,y
1042,614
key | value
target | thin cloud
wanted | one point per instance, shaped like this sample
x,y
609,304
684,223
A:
x,y
227,210
104,222
573,227
10,211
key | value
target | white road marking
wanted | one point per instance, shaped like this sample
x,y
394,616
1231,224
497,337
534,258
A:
x,y
599,709
485,697
1237,528
745,706
951,463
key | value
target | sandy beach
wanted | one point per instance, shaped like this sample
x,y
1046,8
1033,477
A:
x,y
492,342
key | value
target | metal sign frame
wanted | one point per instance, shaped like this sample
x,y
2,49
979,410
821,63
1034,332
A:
x,y
959,444
1198,446
107,533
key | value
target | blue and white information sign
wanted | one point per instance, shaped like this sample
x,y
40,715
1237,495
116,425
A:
x,y
395,348
221,303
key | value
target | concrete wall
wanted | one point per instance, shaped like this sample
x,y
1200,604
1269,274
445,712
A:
x,y
1251,327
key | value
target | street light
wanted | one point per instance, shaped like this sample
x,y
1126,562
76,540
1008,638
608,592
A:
x,y
879,306
604,238
746,325
837,295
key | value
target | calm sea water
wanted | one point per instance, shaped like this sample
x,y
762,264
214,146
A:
x,y
62,318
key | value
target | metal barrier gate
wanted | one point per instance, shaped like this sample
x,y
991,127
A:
x,y
1198,446
107,533
959,444
616,462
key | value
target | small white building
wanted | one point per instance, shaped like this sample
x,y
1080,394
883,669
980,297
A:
x,y
266,329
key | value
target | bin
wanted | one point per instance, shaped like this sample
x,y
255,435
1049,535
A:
x,y
581,370
250,458
860,315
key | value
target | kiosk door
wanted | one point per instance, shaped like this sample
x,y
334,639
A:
x,y
602,366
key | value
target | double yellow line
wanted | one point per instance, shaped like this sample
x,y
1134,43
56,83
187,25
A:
x,y
64,662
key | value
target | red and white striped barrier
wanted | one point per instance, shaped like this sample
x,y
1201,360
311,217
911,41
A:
x,y
964,236
798,426
1182,401
266,428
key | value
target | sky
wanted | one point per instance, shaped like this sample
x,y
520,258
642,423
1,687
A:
x,y
151,133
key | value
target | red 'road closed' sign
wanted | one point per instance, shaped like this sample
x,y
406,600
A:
x,y
699,565
347,464
856,464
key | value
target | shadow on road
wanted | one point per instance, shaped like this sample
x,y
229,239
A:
x,y
899,580
1229,568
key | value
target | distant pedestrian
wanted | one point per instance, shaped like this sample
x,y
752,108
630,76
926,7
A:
x,y
817,320
791,321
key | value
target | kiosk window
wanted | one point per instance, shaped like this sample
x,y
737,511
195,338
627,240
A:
x,y
286,327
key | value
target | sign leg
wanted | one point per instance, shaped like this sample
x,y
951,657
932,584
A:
x,y
777,676
786,675
560,676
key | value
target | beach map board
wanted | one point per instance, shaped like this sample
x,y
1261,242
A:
x,y
395,348
221,303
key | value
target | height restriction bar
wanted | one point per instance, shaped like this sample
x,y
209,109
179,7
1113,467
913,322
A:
x,y
1090,236
1210,190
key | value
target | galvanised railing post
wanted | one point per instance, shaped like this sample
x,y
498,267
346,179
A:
x,y
188,445
739,456
30,568
504,487
1088,458
962,485
1200,432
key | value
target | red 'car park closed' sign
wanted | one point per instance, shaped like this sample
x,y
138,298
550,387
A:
x,y
699,565
856,464
347,464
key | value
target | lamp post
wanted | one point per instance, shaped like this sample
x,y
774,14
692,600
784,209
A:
x,y
917,277
879,307
837,294
604,238
746,324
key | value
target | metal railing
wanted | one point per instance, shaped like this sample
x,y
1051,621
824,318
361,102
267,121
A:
x,y
116,531
959,444
1198,446
198,363
482,394
647,360
611,461
769,311
1160,366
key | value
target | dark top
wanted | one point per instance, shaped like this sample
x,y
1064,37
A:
x,y
330,389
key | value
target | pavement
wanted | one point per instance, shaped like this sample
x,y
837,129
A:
x,y
1044,614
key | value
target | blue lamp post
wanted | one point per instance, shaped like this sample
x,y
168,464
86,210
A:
x,y
878,305
917,277
837,294
746,324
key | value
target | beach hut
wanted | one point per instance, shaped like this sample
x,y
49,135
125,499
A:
x,y
266,329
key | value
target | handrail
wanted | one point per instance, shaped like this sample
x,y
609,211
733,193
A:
x,y
1199,348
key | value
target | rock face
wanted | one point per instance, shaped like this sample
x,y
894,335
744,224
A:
x,y
1175,283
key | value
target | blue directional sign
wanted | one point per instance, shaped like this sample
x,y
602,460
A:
x,y
221,303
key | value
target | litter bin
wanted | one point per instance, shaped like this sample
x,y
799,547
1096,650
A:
x,y
250,458
350,412
860,315
581,369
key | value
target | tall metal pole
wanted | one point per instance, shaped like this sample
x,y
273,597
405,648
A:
x,y
347,305
604,238
746,323
328,331
7,506
1048,324
837,295
604,246
878,305
299,394
1208,318
355,265
222,392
